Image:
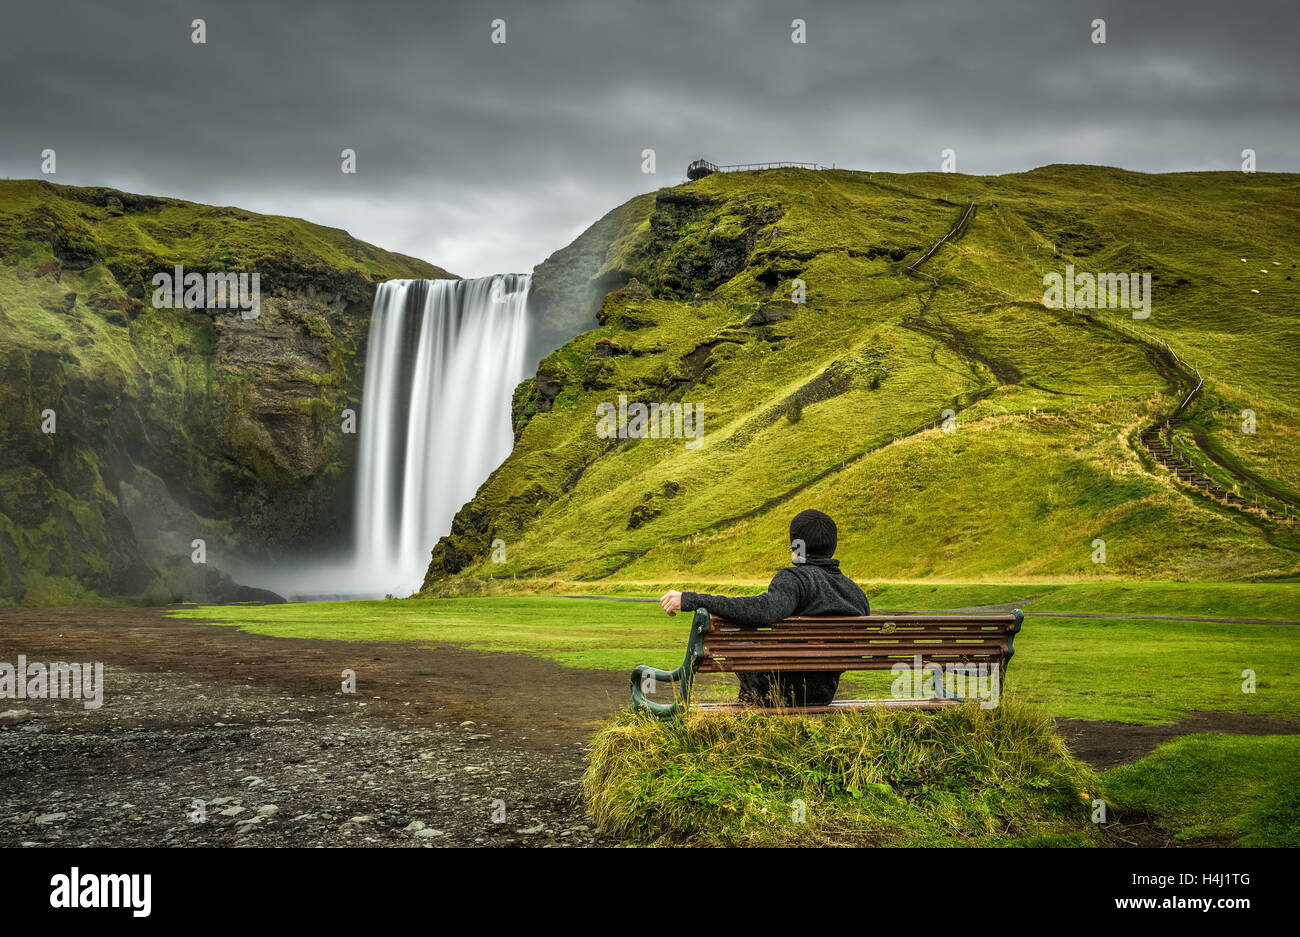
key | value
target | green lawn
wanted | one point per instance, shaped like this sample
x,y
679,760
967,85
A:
x,y
1220,600
1150,671
1241,789
1127,670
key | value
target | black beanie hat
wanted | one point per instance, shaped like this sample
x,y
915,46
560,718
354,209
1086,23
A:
x,y
816,530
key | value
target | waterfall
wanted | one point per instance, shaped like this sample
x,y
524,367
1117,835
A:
x,y
444,359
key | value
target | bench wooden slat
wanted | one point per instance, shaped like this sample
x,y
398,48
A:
x,y
907,653
848,628
902,617
818,665
754,648
834,643
846,705
857,633
807,634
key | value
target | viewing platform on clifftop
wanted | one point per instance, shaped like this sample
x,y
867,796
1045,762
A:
x,y
702,167
699,169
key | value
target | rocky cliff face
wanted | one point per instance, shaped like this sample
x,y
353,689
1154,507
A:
x,y
569,285
129,431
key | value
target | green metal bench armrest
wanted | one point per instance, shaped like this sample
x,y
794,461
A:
x,y
683,677
1011,635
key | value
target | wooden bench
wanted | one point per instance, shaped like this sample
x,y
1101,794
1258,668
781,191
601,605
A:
x,y
873,642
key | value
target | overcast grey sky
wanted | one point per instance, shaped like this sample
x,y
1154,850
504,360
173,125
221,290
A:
x,y
485,158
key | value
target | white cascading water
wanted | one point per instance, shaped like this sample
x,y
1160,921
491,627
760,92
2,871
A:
x,y
444,359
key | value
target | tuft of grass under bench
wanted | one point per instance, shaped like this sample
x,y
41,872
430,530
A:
x,y
962,776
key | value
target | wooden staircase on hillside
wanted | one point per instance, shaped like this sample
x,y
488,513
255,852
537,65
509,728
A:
x,y
1153,440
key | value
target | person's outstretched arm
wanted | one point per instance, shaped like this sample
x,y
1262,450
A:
x,y
777,603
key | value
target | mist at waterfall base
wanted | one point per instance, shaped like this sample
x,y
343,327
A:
x,y
443,361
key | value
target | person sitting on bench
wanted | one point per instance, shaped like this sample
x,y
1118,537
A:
x,y
813,585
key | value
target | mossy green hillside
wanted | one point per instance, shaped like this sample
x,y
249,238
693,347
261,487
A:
x,y
169,423
839,402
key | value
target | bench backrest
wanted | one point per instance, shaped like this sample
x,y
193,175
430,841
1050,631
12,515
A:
x,y
872,642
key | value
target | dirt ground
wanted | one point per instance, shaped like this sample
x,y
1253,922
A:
x,y
438,746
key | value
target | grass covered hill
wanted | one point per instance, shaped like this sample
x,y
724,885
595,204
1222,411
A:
x,y
1058,415
170,424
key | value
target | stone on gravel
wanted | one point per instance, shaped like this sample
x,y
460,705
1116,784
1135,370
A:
x,y
12,717
51,817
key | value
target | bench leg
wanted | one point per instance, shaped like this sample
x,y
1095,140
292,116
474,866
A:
x,y
683,678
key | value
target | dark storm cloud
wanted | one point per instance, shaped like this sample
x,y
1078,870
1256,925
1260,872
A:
x,y
484,158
